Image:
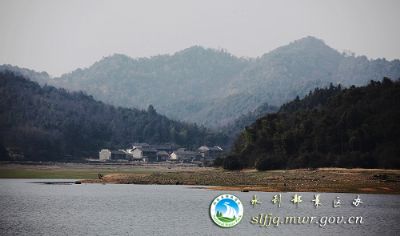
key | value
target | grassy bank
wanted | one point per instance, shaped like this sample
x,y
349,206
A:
x,y
318,180
68,171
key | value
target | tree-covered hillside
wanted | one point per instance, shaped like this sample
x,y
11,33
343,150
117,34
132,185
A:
x,y
233,129
213,87
45,123
351,127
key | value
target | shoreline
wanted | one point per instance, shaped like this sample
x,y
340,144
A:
x,y
340,180
299,180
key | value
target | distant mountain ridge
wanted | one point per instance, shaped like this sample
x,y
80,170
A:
x,y
214,88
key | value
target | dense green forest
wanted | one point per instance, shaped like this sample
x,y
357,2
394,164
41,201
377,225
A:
x,y
330,127
233,129
213,87
45,123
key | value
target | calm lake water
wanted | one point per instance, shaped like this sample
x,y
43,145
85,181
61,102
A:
x,y
28,207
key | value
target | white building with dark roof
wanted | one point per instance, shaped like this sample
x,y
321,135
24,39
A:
x,y
184,155
110,155
145,153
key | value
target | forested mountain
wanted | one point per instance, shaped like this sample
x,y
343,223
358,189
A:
x,y
45,123
351,127
213,87
40,77
237,126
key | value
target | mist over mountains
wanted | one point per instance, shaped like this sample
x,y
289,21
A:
x,y
214,88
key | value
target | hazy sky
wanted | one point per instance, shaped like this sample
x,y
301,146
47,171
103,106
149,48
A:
x,y
60,36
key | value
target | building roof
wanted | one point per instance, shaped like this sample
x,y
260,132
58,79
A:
x,y
138,145
206,149
146,149
162,153
117,152
164,146
158,147
181,152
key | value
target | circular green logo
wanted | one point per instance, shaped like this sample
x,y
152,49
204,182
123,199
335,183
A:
x,y
226,210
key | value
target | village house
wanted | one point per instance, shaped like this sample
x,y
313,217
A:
x,y
184,155
169,148
151,153
161,153
210,153
162,156
112,155
145,153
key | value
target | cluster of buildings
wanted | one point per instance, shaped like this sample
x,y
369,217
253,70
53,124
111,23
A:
x,y
161,153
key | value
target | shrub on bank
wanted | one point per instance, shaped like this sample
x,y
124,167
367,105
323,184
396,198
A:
x,y
233,162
